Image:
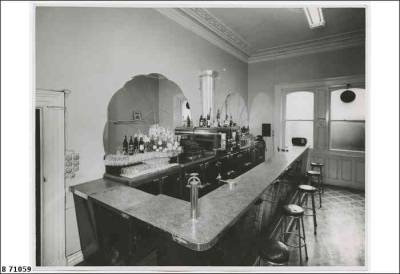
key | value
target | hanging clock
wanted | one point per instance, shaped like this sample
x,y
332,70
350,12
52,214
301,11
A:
x,y
348,95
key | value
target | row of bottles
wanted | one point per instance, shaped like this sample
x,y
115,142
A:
x,y
136,145
205,121
158,139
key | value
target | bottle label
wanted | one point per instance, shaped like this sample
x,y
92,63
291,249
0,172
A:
x,y
141,147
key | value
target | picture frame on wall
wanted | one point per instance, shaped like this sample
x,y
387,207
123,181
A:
x,y
137,115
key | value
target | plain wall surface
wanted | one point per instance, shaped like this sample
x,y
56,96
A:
x,y
169,110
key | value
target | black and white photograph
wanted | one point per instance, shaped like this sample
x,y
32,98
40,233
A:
x,y
171,136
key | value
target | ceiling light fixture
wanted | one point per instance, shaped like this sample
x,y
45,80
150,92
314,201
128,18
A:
x,y
315,17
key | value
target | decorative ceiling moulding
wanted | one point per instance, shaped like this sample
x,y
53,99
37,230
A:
x,y
212,23
202,23
193,24
327,43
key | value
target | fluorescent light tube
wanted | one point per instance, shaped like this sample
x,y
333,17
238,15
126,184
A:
x,y
315,17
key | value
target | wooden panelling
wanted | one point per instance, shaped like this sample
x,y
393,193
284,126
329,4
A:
x,y
341,169
333,168
360,172
346,170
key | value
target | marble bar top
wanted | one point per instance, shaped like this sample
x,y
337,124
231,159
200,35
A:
x,y
219,209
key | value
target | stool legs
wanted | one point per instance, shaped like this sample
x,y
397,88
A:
x,y
301,235
304,204
319,186
304,235
314,213
320,189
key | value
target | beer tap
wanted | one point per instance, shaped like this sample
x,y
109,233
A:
x,y
194,184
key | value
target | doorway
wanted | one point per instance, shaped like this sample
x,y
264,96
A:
x,y
38,176
49,179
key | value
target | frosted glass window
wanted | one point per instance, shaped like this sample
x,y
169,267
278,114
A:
x,y
348,111
299,116
348,135
302,129
347,124
300,105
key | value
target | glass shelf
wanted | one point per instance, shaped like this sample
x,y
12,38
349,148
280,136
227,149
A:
x,y
127,122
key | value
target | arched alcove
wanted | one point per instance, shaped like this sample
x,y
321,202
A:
x,y
235,106
141,102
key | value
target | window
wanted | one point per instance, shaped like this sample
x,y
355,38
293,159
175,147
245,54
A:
x,y
347,121
299,116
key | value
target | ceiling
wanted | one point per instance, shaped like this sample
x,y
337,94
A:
x,y
261,34
263,28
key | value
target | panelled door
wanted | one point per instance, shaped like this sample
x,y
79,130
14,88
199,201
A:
x,y
49,194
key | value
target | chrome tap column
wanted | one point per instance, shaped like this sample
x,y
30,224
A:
x,y
194,183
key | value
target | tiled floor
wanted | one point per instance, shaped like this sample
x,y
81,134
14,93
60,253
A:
x,y
340,239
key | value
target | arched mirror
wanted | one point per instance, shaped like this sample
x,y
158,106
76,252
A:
x,y
235,106
143,101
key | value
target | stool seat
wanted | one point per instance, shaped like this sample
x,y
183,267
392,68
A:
x,y
313,173
316,164
307,188
274,252
293,210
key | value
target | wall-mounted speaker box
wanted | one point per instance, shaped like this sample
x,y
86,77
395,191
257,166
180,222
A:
x,y
299,141
266,130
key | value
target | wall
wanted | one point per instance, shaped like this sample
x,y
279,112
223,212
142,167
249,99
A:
x,y
169,109
94,51
264,76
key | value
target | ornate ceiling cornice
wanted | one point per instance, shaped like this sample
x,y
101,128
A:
x,y
323,44
219,28
201,22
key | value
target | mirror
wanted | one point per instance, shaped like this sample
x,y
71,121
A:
x,y
143,101
235,105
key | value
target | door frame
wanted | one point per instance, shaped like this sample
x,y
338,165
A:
x,y
343,168
52,108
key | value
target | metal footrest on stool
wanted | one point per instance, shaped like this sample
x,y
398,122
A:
x,y
273,253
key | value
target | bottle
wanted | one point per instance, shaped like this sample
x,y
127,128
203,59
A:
x,y
226,121
125,146
208,120
130,147
218,118
159,144
135,144
151,143
201,121
141,145
188,121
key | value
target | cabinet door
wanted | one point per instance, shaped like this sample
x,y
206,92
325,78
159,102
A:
x,y
170,185
152,187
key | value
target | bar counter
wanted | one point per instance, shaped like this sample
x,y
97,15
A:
x,y
219,209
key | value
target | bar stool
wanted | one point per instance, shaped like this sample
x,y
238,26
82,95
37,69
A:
x,y
313,174
296,213
308,190
318,166
273,253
